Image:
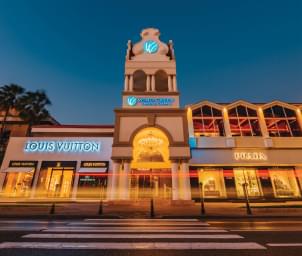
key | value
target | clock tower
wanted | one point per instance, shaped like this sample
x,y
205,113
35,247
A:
x,y
151,130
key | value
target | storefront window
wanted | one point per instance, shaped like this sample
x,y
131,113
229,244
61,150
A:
x,y
249,177
282,122
55,182
208,121
244,121
284,183
213,182
18,184
92,185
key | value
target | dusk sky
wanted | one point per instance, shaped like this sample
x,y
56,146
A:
x,y
225,50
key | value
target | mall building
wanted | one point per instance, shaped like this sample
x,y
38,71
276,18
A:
x,y
157,149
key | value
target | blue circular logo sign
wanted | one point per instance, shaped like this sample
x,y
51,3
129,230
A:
x,y
132,101
150,46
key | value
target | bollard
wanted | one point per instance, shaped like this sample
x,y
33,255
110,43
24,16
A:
x,y
152,214
202,208
101,207
52,209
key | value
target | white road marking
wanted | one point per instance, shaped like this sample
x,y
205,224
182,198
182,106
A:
x,y
285,245
132,236
266,230
95,230
134,224
155,228
252,221
31,222
145,220
133,246
21,229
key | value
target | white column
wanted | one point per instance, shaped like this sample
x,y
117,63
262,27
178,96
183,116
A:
x,y
175,181
299,117
148,82
262,123
124,182
190,122
153,83
131,83
170,86
185,181
36,178
174,84
226,123
76,181
113,181
126,83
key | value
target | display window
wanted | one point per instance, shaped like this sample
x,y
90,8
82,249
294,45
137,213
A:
x,y
213,182
92,185
18,184
247,177
284,183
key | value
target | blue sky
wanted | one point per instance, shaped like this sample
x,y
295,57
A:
x,y
225,50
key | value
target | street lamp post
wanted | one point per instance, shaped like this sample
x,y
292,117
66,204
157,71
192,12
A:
x,y
202,208
247,201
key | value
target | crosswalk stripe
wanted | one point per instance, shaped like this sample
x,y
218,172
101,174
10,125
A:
x,y
285,245
85,230
134,246
144,220
134,224
21,229
266,230
132,236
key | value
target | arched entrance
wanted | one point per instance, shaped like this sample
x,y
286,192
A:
x,y
150,167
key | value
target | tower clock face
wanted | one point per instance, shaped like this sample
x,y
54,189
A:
x,y
150,46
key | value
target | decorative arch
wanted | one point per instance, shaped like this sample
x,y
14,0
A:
x,y
150,149
139,81
161,81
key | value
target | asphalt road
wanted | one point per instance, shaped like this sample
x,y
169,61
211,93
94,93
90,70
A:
x,y
261,237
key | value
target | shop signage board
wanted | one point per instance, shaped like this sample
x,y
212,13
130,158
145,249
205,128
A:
x,y
61,146
20,164
143,101
252,156
94,164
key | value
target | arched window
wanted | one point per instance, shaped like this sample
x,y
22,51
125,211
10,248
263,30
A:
x,y
244,121
139,81
281,122
208,121
161,81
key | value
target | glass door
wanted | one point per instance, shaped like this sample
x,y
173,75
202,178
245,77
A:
x,y
60,183
155,183
249,177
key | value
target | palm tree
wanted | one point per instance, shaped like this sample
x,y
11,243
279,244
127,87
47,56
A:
x,y
9,95
32,108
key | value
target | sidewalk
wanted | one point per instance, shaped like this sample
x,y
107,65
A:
x,y
141,209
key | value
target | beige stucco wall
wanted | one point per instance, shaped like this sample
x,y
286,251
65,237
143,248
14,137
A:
x,y
128,125
174,125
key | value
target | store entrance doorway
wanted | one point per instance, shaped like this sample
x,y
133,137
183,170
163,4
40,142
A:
x,y
60,182
56,179
151,183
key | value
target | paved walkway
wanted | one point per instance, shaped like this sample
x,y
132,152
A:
x,y
142,209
